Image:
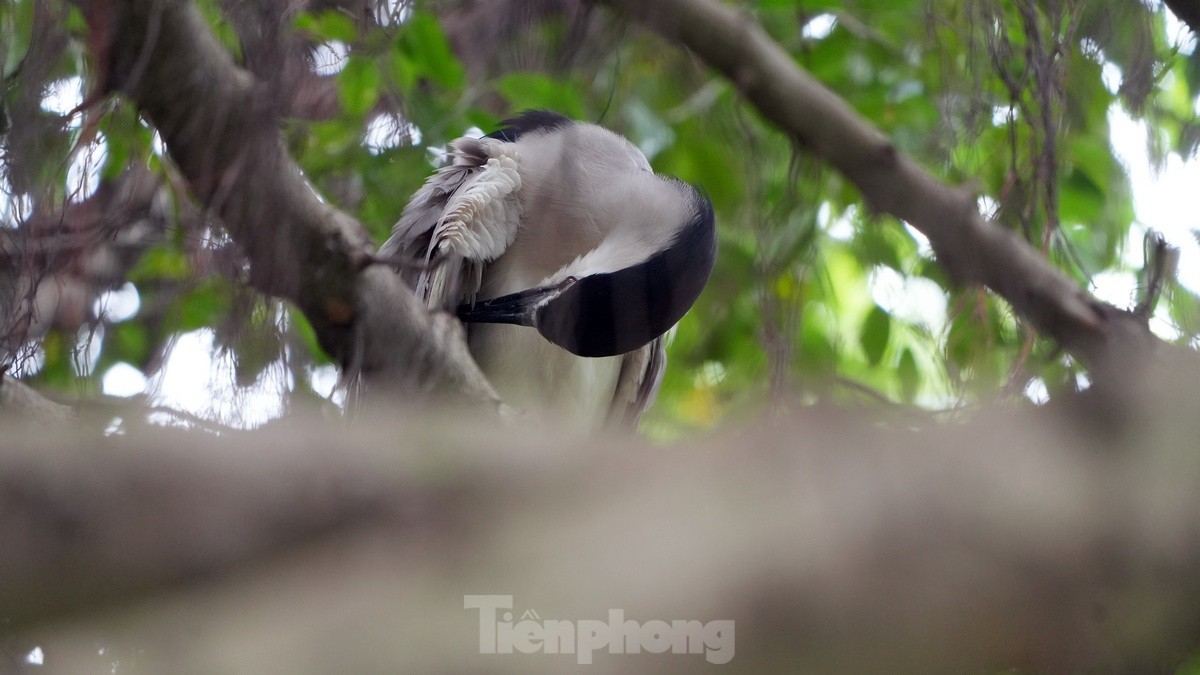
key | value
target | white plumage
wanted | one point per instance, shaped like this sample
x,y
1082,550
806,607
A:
x,y
561,226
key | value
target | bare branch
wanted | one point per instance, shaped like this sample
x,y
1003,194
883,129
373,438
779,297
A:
x,y
971,249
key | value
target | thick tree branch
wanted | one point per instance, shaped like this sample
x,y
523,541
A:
x,y
971,249
19,401
221,128
1018,540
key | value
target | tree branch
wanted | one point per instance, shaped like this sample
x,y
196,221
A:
x,y
971,249
1022,540
20,401
221,129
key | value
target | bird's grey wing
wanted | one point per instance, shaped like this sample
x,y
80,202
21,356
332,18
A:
x,y
464,216
637,384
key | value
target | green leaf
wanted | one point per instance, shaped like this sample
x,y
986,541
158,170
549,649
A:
x,y
1080,199
874,338
202,307
160,262
129,341
534,90
258,346
401,68
15,28
429,51
875,247
56,371
1092,156
116,159
330,25
358,86
301,328
910,375
817,351
964,336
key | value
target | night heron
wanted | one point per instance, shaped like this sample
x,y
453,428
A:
x,y
567,257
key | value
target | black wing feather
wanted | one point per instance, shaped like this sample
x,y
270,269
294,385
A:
x,y
528,122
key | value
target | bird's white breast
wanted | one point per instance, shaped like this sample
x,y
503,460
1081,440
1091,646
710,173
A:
x,y
537,376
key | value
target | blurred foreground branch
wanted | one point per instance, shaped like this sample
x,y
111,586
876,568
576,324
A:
x,y
18,399
1032,540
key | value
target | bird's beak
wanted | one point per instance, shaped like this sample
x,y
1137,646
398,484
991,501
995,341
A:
x,y
518,308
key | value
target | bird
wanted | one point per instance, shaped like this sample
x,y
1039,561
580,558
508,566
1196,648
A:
x,y
567,258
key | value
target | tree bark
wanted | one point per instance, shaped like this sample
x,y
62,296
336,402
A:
x,y
1032,540
221,129
18,400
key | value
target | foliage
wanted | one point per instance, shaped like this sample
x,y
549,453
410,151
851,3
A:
x,y
814,297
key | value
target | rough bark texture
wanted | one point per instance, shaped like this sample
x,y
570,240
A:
x,y
221,129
